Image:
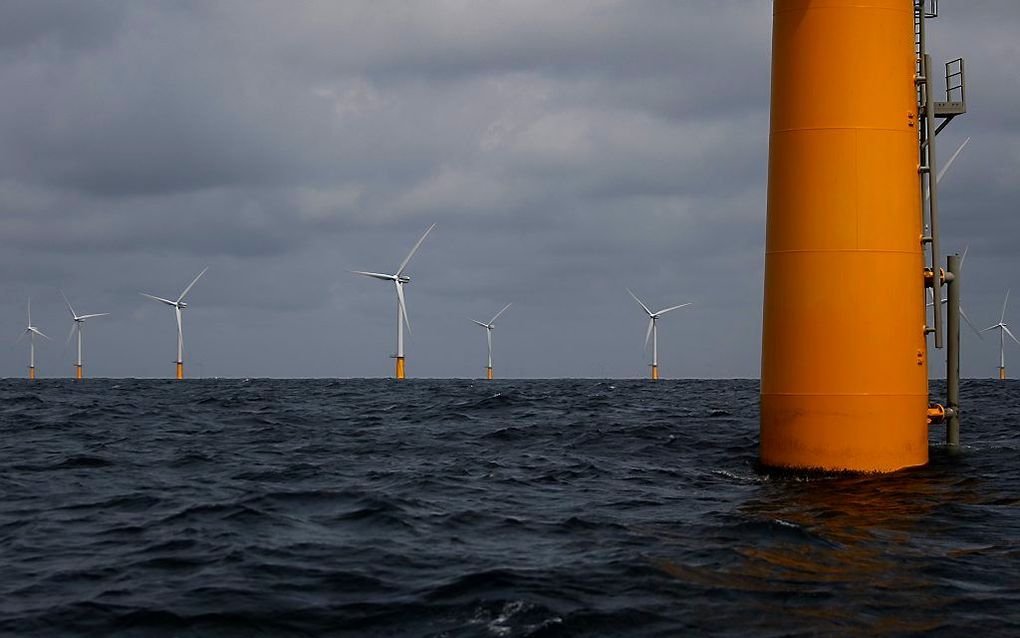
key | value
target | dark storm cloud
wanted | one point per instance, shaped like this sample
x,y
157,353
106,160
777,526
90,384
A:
x,y
58,26
566,150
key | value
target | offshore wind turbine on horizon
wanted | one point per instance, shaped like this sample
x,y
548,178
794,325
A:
x,y
653,330
31,331
1003,331
178,307
399,279
489,327
78,324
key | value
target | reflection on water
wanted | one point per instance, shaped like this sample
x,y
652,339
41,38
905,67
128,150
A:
x,y
877,554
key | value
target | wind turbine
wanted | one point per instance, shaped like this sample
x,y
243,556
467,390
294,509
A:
x,y
78,326
31,331
178,306
1003,331
653,330
489,327
927,229
399,281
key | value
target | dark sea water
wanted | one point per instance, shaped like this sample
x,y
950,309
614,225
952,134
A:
x,y
459,508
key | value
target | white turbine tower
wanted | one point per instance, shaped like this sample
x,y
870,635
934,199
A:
x,y
78,326
31,331
178,307
399,280
653,330
1003,331
489,327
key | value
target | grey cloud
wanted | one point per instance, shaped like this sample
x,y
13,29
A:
x,y
57,27
566,150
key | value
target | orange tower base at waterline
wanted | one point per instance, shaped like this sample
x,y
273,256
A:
x,y
655,372
78,372
1002,374
180,370
488,373
31,373
844,369
400,367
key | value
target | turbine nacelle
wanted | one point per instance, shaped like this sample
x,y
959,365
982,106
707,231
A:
x,y
491,325
404,279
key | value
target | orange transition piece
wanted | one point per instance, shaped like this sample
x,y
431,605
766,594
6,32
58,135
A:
x,y
31,373
77,372
655,372
400,367
488,373
844,368
180,371
1002,374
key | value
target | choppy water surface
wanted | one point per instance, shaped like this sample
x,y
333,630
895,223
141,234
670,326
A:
x,y
457,508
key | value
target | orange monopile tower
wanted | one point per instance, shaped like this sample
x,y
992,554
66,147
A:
x,y
844,354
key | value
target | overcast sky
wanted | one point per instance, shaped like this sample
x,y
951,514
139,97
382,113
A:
x,y
565,149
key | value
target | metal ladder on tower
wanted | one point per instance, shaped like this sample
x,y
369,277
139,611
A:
x,y
929,111
933,116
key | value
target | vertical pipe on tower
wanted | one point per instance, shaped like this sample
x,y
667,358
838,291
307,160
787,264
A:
x,y
844,369
953,351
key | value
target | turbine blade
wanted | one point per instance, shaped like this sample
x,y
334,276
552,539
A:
x,y
480,323
498,314
21,336
193,282
640,303
963,258
30,311
1003,318
166,301
377,275
69,308
40,333
1011,335
99,314
403,264
990,328
70,335
970,323
952,159
648,333
683,305
403,305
